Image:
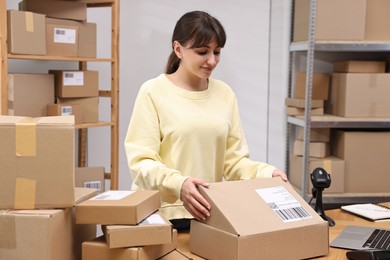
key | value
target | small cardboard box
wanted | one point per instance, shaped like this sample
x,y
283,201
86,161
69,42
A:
x,y
153,230
75,83
316,134
320,86
295,111
332,165
90,177
377,20
248,222
29,94
335,20
316,149
358,66
97,249
37,162
22,26
118,207
359,95
65,110
44,234
89,105
57,9
301,103
61,39
367,163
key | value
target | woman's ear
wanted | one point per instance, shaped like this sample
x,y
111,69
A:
x,y
177,48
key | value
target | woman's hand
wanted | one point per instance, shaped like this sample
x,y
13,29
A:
x,y
279,173
193,201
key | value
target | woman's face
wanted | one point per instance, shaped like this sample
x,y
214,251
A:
x,y
200,61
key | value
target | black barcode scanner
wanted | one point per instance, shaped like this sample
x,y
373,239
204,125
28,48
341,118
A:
x,y
320,180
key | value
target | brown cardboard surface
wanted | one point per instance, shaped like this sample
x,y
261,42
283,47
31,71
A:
x,y
38,161
118,207
22,26
61,39
89,105
295,111
66,110
256,232
316,134
175,255
75,83
90,177
154,230
358,66
97,249
377,19
57,9
301,103
316,149
29,94
320,86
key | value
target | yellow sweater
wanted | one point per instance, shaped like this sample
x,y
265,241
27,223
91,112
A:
x,y
175,133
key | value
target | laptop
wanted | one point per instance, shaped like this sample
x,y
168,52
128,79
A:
x,y
363,238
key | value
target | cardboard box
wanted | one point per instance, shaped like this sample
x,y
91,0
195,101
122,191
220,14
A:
x,y
335,20
65,110
90,177
118,207
61,39
295,111
332,165
97,249
45,234
22,26
316,134
29,94
73,10
301,103
377,19
240,230
37,161
75,83
175,255
357,66
316,149
320,86
359,95
366,159
89,105
153,230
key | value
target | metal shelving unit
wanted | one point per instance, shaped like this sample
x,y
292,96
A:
x,y
310,48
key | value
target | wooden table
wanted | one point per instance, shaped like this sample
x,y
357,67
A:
x,y
342,220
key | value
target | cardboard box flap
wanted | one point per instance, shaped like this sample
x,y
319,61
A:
x,y
239,207
50,120
82,194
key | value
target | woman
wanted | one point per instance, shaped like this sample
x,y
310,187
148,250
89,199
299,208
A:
x,y
185,129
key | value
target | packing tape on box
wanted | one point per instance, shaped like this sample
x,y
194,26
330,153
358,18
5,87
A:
x,y
29,21
7,231
25,190
327,165
25,139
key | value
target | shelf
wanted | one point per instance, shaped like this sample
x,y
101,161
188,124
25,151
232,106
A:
x,y
331,121
58,58
97,124
342,46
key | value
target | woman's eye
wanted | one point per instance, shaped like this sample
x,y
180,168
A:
x,y
202,52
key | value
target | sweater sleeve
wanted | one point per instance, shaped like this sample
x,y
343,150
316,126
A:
x,y
142,144
237,162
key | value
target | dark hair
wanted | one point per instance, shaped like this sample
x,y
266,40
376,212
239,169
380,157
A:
x,y
196,28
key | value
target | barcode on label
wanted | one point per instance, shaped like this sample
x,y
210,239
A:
x,y
292,214
93,185
59,32
66,110
68,74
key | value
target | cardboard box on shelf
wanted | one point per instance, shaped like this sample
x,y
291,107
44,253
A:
x,y
332,165
90,177
75,83
22,26
38,157
316,134
29,94
118,207
89,105
295,111
97,249
377,18
335,20
359,66
316,149
359,95
238,230
366,159
320,86
154,230
44,234
65,110
74,10
61,39
301,103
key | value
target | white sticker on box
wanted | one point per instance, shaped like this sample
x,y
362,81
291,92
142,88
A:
x,y
64,35
66,110
153,219
73,78
113,195
283,204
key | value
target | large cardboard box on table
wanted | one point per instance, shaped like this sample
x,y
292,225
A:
x,y
44,234
22,26
75,83
97,249
248,221
37,158
29,94
118,207
367,163
153,230
359,95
